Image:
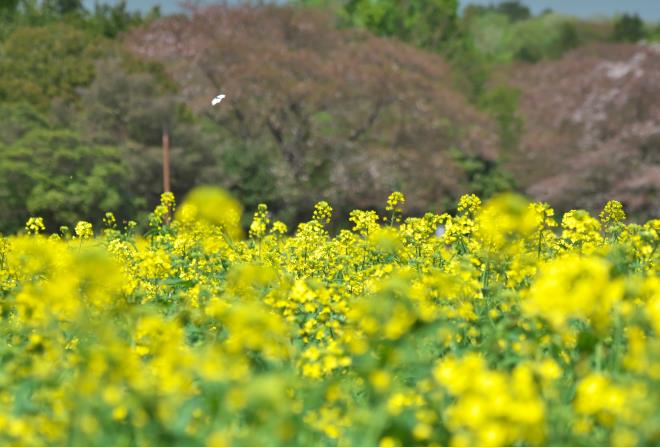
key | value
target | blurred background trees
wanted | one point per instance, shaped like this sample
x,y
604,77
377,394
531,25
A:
x,y
342,100
427,24
629,28
343,115
41,63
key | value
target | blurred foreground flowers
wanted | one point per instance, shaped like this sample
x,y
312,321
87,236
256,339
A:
x,y
508,329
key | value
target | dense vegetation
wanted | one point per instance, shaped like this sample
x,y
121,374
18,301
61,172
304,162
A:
x,y
508,328
84,96
492,324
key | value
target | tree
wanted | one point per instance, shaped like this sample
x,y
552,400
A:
x,y
9,6
42,63
629,28
576,154
334,113
568,37
502,103
514,10
59,176
493,36
63,7
110,20
426,23
544,37
17,120
128,107
485,178
120,105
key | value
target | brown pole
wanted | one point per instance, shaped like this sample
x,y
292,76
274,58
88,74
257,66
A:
x,y
166,160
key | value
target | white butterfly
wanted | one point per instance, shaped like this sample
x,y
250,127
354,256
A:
x,y
217,99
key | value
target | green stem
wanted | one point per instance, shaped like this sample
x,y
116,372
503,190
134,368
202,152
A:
x,y
599,357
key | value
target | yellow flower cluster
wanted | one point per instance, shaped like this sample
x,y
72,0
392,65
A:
x,y
394,202
84,230
492,408
35,225
322,212
504,329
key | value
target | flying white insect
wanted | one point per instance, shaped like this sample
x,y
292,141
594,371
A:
x,y
217,99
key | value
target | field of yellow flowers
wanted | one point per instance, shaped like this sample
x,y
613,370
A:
x,y
508,329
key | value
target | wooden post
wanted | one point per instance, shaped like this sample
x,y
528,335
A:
x,y
166,160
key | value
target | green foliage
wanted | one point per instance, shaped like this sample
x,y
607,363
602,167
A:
x,y
128,107
43,63
568,37
17,120
543,37
628,28
502,40
485,177
9,6
62,7
653,32
472,68
106,19
502,104
110,20
119,105
489,40
513,10
494,36
427,23
60,176
248,173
